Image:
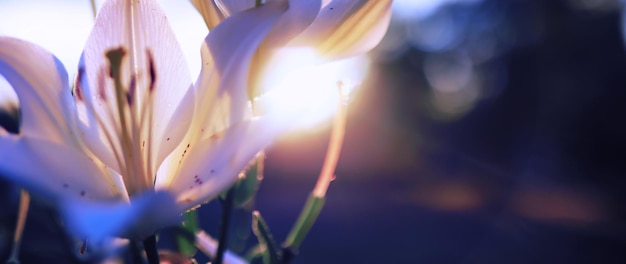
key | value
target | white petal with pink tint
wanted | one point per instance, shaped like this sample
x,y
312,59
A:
x,y
140,27
41,84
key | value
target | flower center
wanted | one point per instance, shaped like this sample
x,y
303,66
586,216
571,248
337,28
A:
x,y
126,122
138,170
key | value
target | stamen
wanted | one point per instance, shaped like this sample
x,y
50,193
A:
x,y
78,93
107,133
91,109
130,94
115,57
78,87
151,86
101,84
152,70
136,129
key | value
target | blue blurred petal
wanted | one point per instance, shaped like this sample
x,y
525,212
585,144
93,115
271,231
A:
x,y
53,170
146,214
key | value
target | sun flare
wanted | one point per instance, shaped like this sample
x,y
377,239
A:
x,y
298,81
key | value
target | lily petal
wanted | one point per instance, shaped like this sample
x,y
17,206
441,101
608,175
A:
x,y
231,7
41,84
347,27
216,162
142,29
298,16
232,53
270,25
146,214
53,170
209,116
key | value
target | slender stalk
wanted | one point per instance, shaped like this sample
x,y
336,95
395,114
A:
x,y
150,246
19,229
93,8
316,200
334,146
227,211
136,252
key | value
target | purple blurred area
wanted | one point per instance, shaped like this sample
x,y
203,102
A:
x,y
486,132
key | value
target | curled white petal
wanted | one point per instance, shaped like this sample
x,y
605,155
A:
x,y
40,82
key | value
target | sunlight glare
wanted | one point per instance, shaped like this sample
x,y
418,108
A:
x,y
297,81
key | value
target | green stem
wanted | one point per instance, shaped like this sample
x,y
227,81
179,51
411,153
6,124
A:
x,y
150,246
301,228
226,215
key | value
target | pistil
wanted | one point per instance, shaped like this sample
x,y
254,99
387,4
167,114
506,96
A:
x,y
136,177
115,57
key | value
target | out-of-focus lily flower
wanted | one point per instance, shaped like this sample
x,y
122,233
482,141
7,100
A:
x,y
134,143
333,28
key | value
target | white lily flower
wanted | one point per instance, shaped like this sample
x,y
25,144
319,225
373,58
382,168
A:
x,y
135,143
333,28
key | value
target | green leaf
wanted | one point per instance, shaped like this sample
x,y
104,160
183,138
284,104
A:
x,y
185,244
254,253
307,218
247,187
271,254
240,229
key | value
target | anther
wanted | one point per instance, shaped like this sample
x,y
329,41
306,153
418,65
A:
x,y
101,84
115,59
130,94
151,69
78,87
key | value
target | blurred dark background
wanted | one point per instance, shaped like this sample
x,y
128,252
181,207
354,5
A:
x,y
486,132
